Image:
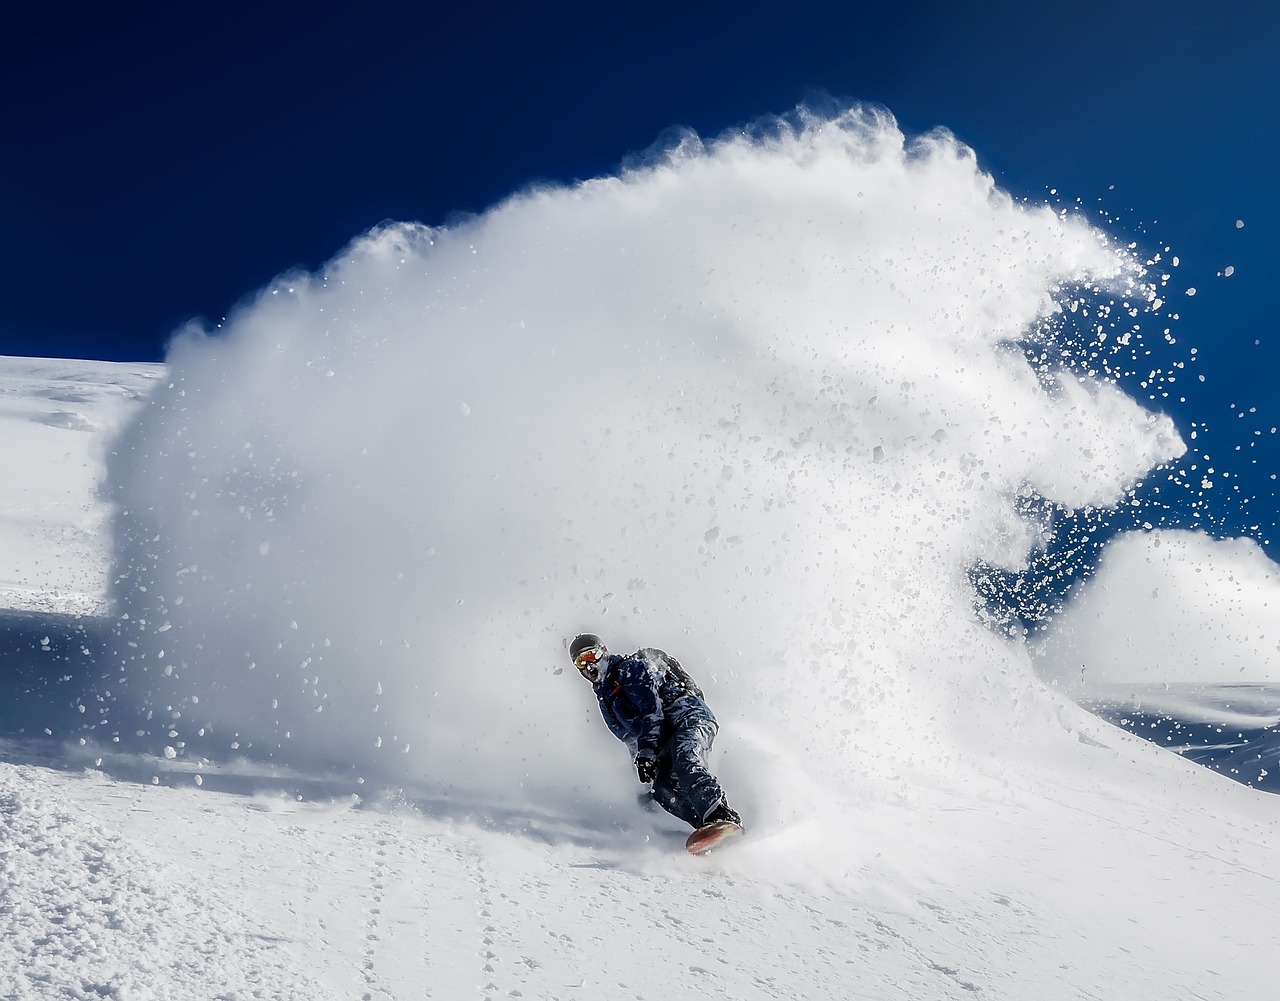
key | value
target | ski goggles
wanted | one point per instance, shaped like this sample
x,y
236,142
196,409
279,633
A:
x,y
589,657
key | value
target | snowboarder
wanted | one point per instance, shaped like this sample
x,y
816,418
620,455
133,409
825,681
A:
x,y
651,704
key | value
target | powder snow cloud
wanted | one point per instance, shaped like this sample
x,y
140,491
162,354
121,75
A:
x,y
757,401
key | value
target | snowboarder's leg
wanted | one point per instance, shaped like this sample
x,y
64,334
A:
x,y
667,791
690,746
669,798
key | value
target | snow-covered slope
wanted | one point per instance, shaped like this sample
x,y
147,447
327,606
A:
x,y
755,402
53,415
1141,876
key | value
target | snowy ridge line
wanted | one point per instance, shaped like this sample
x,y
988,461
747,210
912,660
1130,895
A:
x,y
39,599
1246,706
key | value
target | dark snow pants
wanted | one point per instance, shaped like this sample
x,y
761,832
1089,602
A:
x,y
683,785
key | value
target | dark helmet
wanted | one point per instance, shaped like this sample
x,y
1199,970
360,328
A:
x,y
584,642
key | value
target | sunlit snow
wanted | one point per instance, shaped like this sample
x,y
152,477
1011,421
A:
x,y
764,402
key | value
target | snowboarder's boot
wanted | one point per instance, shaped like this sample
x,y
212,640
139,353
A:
x,y
719,827
722,813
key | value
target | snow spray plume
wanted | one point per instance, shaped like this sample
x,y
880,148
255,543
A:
x,y
758,403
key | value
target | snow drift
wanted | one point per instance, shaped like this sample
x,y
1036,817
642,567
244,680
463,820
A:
x,y
761,401
1171,608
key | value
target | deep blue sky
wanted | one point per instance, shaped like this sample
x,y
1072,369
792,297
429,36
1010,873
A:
x,y
157,165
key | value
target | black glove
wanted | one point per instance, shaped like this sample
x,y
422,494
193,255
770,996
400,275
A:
x,y
646,766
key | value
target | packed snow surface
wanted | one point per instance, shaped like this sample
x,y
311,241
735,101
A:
x,y
763,402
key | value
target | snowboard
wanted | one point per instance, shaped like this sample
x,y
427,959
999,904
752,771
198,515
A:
x,y
711,837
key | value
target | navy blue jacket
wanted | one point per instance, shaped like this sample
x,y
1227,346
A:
x,y
645,697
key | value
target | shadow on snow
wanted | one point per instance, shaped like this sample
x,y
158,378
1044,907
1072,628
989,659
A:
x,y
61,707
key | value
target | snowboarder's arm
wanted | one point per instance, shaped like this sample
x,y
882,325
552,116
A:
x,y
615,725
646,767
641,684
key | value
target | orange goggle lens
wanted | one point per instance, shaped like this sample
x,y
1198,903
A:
x,y
588,657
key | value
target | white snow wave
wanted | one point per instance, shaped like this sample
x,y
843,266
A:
x,y
756,401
